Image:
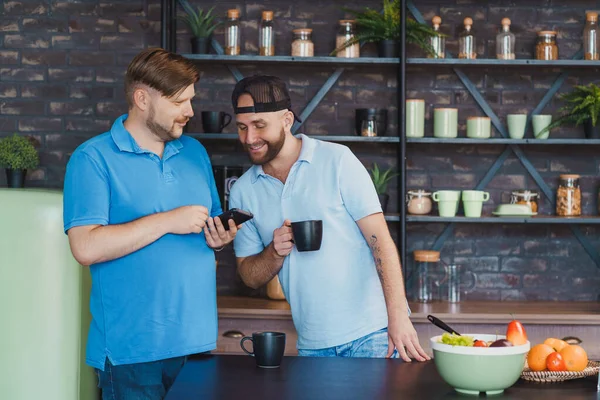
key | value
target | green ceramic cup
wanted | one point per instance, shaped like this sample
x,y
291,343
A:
x,y
445,122
539,122
516,125
479,127
448,208
415,118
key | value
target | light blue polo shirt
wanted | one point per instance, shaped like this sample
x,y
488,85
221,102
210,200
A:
x,y
160,301
334,293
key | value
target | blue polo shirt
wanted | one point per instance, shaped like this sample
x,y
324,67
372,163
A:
x,y
160,301
334,293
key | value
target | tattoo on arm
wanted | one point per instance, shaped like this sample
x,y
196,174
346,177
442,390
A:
x,y
377,256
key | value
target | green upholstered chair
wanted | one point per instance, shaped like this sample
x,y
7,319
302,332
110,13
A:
x,y
44,297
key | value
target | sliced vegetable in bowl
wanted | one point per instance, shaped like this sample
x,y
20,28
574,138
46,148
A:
x,y
457,340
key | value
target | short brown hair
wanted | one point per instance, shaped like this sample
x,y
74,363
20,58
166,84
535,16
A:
x,y
166,72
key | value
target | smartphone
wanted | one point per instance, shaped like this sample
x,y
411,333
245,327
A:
x,y
238,216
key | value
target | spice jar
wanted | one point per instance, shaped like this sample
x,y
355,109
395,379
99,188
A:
x,y
302,45
232,33
568,196
266,35
546,47
418,202
527,197
345,33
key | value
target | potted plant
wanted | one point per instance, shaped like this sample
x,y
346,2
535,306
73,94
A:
x,y
383,28
17,155
582,108
202,26
381,180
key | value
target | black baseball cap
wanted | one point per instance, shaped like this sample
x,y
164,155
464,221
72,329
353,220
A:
x,y
268,92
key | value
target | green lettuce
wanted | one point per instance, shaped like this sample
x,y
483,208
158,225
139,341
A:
x,y
456,340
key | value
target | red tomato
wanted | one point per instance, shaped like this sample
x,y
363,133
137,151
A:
x,y
480,343
556,362
515,333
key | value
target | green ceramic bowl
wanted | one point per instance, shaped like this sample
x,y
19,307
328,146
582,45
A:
x,y
471,370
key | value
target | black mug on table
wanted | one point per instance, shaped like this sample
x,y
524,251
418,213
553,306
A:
x,y
307,235
214,121
268,348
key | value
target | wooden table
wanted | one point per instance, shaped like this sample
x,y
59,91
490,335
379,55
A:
x,y
237,377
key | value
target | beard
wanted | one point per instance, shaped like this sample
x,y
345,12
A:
x,y
273,149
165,134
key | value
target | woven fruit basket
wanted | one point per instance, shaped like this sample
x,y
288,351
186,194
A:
x,y
592,368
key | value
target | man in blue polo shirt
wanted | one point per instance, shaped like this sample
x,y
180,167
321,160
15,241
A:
x,y
347,299
138,208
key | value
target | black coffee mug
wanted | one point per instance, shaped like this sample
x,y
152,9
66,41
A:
x,y
268,348
214,121
308,235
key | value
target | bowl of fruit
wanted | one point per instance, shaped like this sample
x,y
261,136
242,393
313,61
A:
x,y
556,360
474,362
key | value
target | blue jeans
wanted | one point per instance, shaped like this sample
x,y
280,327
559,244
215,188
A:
x,y
143,381
373,345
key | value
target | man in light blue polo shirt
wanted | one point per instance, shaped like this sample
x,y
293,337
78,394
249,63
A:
x,y
138,208
347,299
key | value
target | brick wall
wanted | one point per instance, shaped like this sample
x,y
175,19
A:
x,y
61,74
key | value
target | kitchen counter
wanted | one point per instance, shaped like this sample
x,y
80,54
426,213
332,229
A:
x,y
298,378
480,312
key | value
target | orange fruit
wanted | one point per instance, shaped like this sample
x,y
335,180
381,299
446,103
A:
x,y
556,344
575,357
536,358
555,362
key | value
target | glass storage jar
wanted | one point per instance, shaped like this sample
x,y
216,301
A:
x,y
418,202
302,45
232,33
346,32
466,41
437,41
426,267
266,35
568,196
505,42
590,37
527,197
546,47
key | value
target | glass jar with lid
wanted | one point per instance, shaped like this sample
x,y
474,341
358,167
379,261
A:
x,y
505,42
568,196
346,32
466,41
546,47
232,33
426,267
437,41
590,37
418,202
302,44
266,35
527,197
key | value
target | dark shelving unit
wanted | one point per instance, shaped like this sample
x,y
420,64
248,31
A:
x,y
329,138
491,62
323,60
493,141
584,220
